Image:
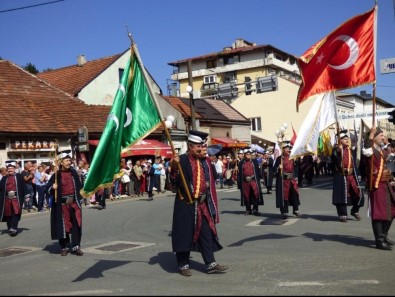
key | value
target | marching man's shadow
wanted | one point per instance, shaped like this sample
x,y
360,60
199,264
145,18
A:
x,y
167,261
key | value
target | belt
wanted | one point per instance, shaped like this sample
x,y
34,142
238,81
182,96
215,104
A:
x,y
11,194
249,178
386,175
201,198
64,198
348,172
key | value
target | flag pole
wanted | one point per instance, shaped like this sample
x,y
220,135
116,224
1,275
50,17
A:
x,y
152,94
56,168
373,125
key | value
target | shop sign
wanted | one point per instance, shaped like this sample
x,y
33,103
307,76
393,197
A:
x,y
33,145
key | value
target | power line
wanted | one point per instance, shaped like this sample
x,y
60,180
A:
x,y
30,6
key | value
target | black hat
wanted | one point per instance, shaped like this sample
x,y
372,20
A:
x,y
10,163
64,154
343,133
197,137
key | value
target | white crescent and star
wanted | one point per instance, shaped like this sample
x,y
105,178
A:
x,y
129,117
352,58
354,52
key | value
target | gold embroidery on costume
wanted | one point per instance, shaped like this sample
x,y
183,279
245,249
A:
x,y
380,172
197,190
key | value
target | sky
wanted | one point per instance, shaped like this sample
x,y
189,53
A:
x,y
52,33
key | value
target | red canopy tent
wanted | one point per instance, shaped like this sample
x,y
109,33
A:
x,y
145,147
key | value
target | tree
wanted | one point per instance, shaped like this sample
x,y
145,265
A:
x,y
31,68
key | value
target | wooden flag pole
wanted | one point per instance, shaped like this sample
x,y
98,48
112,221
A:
x,y
152,94
373,125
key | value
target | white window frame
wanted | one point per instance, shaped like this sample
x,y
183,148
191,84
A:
x,y
256,124
209,79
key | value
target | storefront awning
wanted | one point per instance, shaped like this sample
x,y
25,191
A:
x,y
228,142
144,147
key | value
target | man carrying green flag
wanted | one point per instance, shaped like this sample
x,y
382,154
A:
x,y
132,117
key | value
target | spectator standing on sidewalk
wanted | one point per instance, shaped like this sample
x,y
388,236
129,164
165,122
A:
x,y
28,177
219,167
40,179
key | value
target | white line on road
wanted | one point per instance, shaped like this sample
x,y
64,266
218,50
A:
x,y
333,283
78,293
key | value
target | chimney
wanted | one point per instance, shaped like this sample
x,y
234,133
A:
x,y
365,95
81,60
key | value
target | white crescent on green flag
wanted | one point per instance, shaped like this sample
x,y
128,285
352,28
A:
x,y
132,117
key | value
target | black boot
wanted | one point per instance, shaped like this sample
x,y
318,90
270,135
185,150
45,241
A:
x,y
386,228
379,236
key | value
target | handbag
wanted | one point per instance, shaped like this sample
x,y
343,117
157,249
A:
x,y
125,179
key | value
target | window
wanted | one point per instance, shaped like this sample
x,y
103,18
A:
x,y
231,60
229,77
120,74
211,63
209,79
256,124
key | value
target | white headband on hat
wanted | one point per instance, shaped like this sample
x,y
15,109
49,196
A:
x,y
10,163
195,138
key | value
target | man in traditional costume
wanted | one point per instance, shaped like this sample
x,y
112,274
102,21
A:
x,y
381,189
267,171
346,189
66,212
195,207
287,191
249,180
13,193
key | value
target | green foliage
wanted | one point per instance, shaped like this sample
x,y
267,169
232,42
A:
x,y
31,68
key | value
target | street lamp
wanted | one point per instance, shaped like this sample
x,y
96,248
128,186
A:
x,y
190,91
169,121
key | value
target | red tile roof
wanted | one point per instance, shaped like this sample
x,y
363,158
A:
x,y
208,109
72,79
31,105
226,52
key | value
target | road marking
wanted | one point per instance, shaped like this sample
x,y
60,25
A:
x,y
321,283
16,250
113,247
287,222
78,293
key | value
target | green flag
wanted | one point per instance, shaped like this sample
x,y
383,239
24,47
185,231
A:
x,y
132,117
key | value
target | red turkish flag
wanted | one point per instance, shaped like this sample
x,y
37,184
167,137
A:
x,y
343,59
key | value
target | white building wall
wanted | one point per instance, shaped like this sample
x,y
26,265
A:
x,y
103,88
274,108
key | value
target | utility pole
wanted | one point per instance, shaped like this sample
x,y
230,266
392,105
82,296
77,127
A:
x,y
190,91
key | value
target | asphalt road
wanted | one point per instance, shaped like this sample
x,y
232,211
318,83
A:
x,y
128,252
